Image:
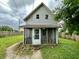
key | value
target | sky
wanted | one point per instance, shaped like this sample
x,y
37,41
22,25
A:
x,y
11,11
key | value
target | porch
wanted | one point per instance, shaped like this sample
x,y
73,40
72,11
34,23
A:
x,y
42,36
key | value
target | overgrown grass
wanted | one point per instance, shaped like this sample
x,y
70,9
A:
x,y
66,49
22,49
8,41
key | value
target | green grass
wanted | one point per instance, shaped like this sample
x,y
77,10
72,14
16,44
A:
x,y
66,49
6,42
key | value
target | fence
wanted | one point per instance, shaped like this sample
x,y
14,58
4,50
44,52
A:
x,y
7,33
67,36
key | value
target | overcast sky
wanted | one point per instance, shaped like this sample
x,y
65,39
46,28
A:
x,y
13,10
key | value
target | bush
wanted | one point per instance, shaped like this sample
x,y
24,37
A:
x,y
66,33
76,32
6,28
2,36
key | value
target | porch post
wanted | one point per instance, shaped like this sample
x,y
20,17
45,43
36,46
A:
x,y
47,35
24,37
53,36
32,35
56,36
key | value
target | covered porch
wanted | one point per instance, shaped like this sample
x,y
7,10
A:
x,y
37,36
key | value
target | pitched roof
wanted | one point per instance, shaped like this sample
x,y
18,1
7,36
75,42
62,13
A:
x,y
42,4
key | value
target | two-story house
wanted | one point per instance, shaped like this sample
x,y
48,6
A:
x,y
41,28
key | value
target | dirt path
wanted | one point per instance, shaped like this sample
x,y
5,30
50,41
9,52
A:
x,y
36,55
11,55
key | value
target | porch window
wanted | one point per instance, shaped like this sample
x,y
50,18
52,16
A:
x,y
37,34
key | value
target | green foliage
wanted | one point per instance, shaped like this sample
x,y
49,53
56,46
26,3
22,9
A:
x,y
76,32
66,49
66,33
70,14
5,28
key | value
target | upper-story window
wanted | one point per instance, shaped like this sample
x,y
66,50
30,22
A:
x,y
37,16
46,16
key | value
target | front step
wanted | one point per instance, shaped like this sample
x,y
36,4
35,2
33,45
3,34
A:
x,y
36,47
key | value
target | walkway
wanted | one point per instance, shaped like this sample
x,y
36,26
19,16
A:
x,y
11,55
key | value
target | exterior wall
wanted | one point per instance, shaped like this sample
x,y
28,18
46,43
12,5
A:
x,y
42,12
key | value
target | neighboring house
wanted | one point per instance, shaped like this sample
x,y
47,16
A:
x,y
21,27
41,28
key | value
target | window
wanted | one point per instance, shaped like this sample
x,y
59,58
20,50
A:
x,y
46,16
36,33
37,16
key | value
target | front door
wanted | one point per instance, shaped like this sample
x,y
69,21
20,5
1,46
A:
x,y
36,36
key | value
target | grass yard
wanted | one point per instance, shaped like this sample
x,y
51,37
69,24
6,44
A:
x,y
6,42
66,49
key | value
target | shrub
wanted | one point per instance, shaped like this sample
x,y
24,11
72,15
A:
x,y
76,32
5,28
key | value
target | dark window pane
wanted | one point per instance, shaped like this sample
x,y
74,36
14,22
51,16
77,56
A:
x,y
37,16
46,16
36,36
36,33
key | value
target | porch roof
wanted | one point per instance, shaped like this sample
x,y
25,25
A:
x,y
41,26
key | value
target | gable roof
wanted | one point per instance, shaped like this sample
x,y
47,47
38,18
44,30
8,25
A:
x,y
42,4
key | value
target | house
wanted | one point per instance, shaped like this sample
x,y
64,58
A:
x,y
21,27
41,28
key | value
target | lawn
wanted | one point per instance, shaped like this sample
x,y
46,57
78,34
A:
x,y
66,49
8,41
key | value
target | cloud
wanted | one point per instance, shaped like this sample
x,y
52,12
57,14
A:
x,y
19,7
55,4
4,8
9,21
32,6
6,15
19,3
51,4
9,12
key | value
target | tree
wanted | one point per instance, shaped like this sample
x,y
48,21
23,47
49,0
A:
x,y
69,12
5,28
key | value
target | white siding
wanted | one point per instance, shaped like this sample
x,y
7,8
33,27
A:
x,y
42,12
